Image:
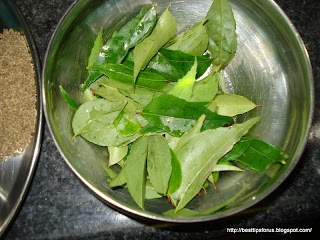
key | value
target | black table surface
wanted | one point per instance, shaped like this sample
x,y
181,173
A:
x,y
59,206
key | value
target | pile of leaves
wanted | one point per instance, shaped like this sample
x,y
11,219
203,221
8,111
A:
x,y
158,102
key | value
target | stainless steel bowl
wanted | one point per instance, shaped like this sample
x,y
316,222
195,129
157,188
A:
x,y
271,68
16,172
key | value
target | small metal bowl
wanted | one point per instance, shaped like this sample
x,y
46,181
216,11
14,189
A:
x,y
271,68
16,172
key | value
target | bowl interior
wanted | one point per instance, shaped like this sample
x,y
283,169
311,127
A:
x,y
271,68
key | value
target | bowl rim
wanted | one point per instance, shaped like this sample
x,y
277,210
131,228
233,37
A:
x,y
144,215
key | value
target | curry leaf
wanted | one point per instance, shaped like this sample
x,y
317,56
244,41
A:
x,y
95,115
232,104
141,96
260,155
225,167
202,152
159,163
71,103
174,64
150,128
175,179
136,170
109,136
112,94
164,30
127,123
221,28
120,179
205,89
116,154
111,174
176,116
184,87
213,178
88,93
124,74
97,45
239,149
94,121
188,135
116,48
151,192
92,77
193,40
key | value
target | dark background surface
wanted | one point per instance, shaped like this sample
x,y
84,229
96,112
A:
x,y
59,206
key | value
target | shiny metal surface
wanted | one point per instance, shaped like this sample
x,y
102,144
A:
x,y
271,68
16,172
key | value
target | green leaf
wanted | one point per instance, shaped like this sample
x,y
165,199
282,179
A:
x,y
175,179
205,89
225,167
193,40
94,116
71,103
120,179
212,106
232,104
151,192
164,30
112,94
260,155
150,128
124,74
184,87
141,96
116,48
116,154
213,178
111,174
239,149
176,116
92,77
221,28
173,64
93,120
127,123
136,170
221,81
202,152
88,93
109,136
188,135
255,153
98,43
159,163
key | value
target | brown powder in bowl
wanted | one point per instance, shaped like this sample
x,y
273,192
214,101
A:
x,y
18,94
